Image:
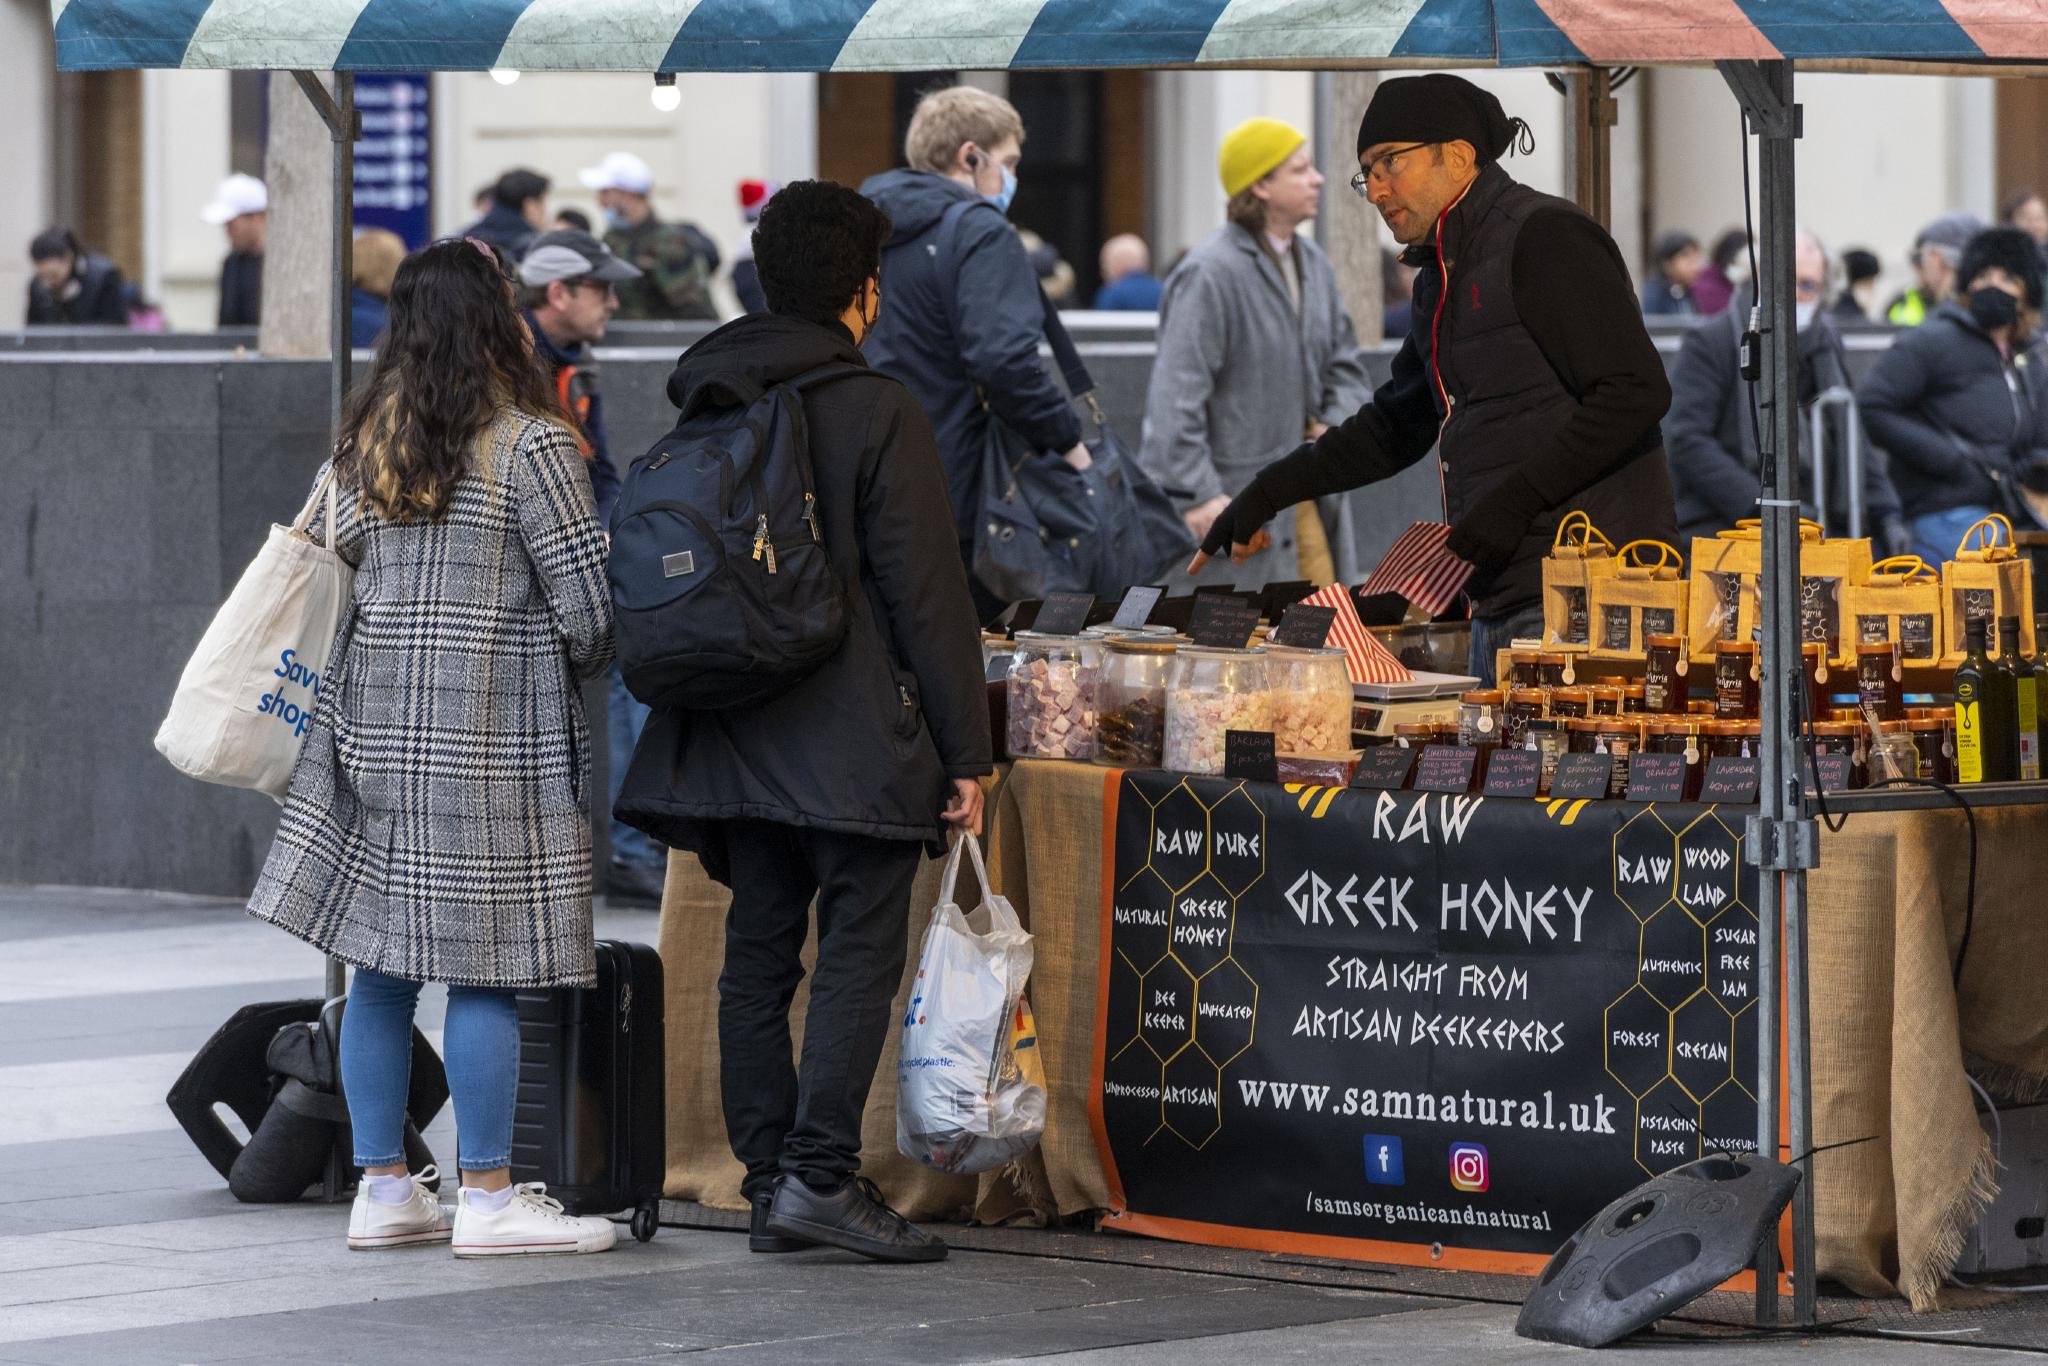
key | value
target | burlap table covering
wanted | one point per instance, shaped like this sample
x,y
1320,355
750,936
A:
x,y
1890,1034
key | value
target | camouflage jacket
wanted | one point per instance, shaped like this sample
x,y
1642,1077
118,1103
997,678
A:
x,y
675,271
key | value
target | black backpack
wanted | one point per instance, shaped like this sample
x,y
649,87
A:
x,y
722,590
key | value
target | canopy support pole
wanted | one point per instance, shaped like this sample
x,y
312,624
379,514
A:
x,y
344,126
1589,162
1782,841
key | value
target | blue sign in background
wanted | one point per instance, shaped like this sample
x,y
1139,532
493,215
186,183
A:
x,y
394,175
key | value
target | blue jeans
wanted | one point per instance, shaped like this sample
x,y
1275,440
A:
x,y
1491,635
624,716
1936,534
480,1044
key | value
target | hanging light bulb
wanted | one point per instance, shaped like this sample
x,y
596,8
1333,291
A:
x,y
504,75
666,97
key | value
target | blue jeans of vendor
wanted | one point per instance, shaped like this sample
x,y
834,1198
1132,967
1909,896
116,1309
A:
x,y
1937,534
1491,635
635,857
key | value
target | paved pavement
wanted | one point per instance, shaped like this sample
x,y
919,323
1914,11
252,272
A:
x,y
119,1244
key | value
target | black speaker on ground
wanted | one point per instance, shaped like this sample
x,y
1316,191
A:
x,y
1656,1249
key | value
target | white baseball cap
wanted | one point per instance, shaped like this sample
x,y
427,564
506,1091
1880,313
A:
x,y
618,171
237,195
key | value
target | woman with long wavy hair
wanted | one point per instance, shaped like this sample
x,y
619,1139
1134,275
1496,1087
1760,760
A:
x,y
435,827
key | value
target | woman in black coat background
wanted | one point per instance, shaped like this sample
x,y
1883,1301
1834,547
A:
x,y
1959,403
72,285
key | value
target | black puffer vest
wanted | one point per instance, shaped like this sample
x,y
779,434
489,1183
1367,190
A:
x,y
1498,398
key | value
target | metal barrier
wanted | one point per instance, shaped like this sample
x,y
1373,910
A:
x,y
1842,398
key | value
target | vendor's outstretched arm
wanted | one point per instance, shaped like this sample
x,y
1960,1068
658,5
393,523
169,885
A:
x,y
1390,433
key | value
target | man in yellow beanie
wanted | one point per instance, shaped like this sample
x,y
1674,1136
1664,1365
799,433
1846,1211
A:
x,y
1256,352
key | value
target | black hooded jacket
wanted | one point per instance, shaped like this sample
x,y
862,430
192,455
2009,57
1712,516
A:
x,y
867,744
100,297
961,322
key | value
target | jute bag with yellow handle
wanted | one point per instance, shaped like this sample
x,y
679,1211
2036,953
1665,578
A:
x,y
1579,556
1645,596
1901,602
1988,579
1724,603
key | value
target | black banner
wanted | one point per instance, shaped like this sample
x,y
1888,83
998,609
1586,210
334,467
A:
x,y
1412,1018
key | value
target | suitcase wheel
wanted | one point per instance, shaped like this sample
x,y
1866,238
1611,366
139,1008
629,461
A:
x,y
646,1219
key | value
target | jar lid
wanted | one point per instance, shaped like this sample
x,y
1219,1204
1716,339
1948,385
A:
x,y
1876,647
1415,728
1549,658
1586,725
1302,651
1664,642
1582,695
1848,728
1677,725
1611,681
1223,651
1528,697
1753,729
1814,647
1636,690
1735,647
1700,708
1047,638
1143,645
1894,727
1925,723
1610,691
1721,728
1483,697
1523,657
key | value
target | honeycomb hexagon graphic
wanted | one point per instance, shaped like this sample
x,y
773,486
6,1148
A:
x,y
1166,1020
1672,964
1178,1020
1731,959
1702,1046
1638,1038
1667,1130
1192,1099
1728,1119
1645,863
1709,868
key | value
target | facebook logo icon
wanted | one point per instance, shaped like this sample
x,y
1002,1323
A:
x,y
1383,1160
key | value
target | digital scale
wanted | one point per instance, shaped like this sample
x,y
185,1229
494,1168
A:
x,y
1425,699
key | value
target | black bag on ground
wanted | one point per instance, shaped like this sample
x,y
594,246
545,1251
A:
x,y
591,1117
724,595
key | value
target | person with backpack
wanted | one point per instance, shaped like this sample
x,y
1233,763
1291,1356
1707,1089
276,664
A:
x,y
846,728
962,322
435,826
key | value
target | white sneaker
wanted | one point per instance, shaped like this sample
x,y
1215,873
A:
x,y
422,1219
531,1223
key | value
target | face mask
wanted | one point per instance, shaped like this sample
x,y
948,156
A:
x,y
1992,307
1001,198
616,220
1802,314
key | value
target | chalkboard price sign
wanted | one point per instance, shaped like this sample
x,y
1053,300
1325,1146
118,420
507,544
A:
x,y
1656,778
1305,626
1064,613
1731,780
1384,767
1835,773
1446,768
1221,622
1248,755
1582,776
1513,773
1136,608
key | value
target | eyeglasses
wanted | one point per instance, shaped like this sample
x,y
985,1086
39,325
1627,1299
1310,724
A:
x,y
1382,168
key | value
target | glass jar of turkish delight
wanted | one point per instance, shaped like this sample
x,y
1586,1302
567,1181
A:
x,y
1213,692
1311,699
1052,687
1130,727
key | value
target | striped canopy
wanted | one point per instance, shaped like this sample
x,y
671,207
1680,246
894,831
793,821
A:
x,y
928,35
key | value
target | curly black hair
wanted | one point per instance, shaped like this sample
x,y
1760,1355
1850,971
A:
x,y
817,243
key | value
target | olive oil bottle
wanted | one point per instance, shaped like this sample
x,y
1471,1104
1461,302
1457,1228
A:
x,y
1987,714
2026,696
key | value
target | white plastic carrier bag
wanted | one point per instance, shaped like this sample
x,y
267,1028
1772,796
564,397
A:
x,y
245,700
970,1093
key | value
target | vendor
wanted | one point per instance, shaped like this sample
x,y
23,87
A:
x,y
1526,364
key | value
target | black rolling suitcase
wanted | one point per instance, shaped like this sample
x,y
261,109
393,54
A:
x,y
591,1118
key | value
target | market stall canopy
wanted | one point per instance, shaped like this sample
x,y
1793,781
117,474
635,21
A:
x,y
944,35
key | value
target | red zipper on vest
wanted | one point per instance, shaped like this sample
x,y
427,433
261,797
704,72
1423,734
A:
x,y
1435,369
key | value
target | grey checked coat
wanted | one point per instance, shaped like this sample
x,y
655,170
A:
x,y
435,826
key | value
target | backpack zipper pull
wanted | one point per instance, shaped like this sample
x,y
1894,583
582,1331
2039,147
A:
x,y
811,517
760,535
771,557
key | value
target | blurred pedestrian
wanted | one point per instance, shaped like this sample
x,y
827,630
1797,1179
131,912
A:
x,y
434,829
961,319
2025,210
1397,294
834,790
574,219
1936,250
1128,284
1860,272
746,277
1957,403
1256,352
675,270
1527,367
72,285
378,254
240,208
1710,436
1726,268
1667,293
518,213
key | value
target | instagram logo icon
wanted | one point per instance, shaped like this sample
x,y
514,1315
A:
x,y
1469,1167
